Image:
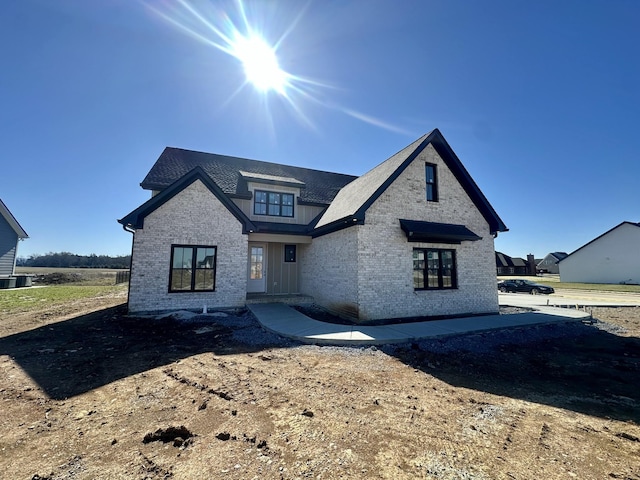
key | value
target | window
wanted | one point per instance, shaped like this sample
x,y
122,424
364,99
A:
x,y
434,269
289,253
432,185
193,269
273,204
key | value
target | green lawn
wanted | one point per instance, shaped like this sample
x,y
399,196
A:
x,y
554,281
20,300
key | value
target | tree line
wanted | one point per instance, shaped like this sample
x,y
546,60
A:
x,y
71,260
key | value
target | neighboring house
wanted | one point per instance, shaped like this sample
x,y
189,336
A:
x,y
506,265
10,233
549,264
411,237
613,257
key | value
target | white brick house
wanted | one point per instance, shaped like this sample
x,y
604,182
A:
x,y
411,237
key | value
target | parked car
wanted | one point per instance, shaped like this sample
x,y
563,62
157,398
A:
x,y
525,286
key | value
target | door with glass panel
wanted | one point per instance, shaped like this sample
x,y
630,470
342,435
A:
x,y
257,281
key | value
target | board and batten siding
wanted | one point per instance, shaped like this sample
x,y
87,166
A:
x,y
282,277
8,248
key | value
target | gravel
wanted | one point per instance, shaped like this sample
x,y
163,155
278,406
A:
x,y
247,330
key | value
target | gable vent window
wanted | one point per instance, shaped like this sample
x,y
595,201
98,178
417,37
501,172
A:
x,y
432,183
273,204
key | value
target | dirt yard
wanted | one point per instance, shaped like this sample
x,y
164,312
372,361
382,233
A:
x,y
88,393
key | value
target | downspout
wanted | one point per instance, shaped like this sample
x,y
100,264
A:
x,y
132,232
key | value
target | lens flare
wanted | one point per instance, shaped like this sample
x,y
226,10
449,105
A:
x,y
260,64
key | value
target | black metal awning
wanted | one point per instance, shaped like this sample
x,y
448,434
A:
x,y
434,232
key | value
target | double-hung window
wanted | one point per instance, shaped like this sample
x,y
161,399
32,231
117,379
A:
x,y
434,268
193,268
432,182
273,204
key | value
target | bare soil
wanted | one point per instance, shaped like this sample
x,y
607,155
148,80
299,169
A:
x,y
87,392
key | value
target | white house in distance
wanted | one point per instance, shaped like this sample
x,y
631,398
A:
x,y
613,257
411,237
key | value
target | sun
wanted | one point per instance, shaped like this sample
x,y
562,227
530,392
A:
x,y
260,63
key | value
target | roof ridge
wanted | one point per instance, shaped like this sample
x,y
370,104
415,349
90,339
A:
x,y
233,157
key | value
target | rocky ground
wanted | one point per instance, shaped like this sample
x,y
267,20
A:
x,y
87,392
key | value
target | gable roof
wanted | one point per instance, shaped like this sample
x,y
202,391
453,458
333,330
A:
x,y
136,218
351,203
503,260
599,237
231,174
11,220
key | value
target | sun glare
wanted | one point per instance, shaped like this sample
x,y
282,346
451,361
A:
x,y
260,63
234,33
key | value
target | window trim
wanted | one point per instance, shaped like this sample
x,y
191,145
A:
x,y
425,274
194,257
433,184
280,204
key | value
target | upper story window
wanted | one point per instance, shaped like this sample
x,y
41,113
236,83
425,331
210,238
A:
x,y
432,182
273,203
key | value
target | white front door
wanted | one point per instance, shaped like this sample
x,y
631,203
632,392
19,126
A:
x,y
257,281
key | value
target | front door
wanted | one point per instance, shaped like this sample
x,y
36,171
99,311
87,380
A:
x,y
257,281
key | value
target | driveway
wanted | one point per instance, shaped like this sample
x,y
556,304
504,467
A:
x,y
571,298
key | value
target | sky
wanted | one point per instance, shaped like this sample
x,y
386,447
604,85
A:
x,y
539,100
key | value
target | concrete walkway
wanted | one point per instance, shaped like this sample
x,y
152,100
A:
x,y
288,322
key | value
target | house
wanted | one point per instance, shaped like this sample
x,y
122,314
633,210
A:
x,y
506,265
613,257
549,264
411,237
10,233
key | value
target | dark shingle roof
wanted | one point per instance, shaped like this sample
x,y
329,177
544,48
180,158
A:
x,y
503,260
353,201
320,186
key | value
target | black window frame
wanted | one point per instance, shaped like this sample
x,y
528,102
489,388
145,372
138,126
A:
x,y
193,274
431,182
290,253
270,204
440,270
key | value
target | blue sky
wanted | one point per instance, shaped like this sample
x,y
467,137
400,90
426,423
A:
x,y
540,100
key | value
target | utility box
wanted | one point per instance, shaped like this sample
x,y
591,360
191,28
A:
x,y
23,281
7,282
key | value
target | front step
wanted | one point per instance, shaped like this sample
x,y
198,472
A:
x,y
287,298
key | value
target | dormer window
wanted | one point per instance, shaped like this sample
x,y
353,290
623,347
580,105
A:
x,y
273,204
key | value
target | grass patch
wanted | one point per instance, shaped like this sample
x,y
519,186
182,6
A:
x,y
554,281
23,300
77,276
598,286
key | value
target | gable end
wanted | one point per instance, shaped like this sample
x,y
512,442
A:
x,y
135,219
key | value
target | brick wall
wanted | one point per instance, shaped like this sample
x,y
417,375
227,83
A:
x,y
385,274
329,271
367,270
193,217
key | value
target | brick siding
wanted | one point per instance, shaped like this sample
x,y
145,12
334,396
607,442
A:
x,y
193,217
368,269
